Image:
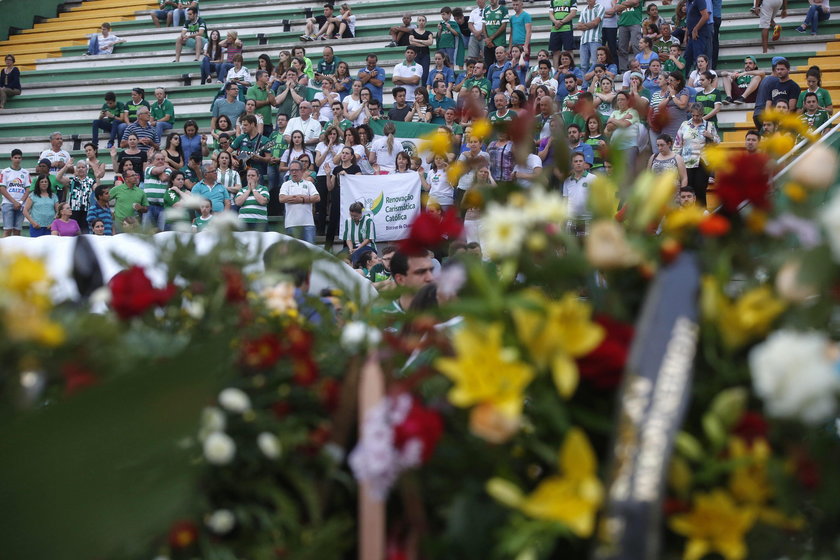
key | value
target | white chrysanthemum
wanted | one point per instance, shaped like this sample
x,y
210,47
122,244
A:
x,y
234,400
280,297
793,375
269,445
219,449
357,336
546,208
221,521
502,230
830,219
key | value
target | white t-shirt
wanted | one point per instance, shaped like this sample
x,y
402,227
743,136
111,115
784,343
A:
x,y
477,19
326,113
322,148
298,214
692,79
468,178
358,149
386,160
550,83
607,21
106,44
61,156
16,183
577,193
351,24
404,71
350,106
532,162
311,129
439,188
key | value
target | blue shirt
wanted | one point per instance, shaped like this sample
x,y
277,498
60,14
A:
x,y
217,195
448,76
581,148
375,91
191,146
517,24
445,103
97,212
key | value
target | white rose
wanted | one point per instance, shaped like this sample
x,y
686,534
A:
x,y
269,445
817,168
357,335
221,521
830,219
606,246
792,373
235,400
219,449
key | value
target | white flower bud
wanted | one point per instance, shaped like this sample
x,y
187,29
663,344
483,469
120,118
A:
x,y
357,336
221,521
269,445
235,400
219,449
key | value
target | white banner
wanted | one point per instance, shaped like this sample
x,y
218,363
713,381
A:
x,y
393,201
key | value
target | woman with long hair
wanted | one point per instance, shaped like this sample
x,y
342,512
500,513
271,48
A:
x,y
40,208
519,102
325,151
436,183
223,125
172,151
346,166
213,56
703,65
621,126
674,101
250,109
343,80
132,153
813,79
191,140
421,39
511,83
79,190
384,150
227,175
296,149
96,169
173,203
421,110
441,70
646,53
264,63
594,136
353,103
519,62
9,80
603,100
501,157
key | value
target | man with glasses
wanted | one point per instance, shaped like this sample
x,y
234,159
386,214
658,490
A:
x,y
299,195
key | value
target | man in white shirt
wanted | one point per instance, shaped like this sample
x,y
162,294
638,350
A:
x,y
408,74
476,24
307,124
299,196
526,173
103,43
14,190
543,78
576,192
58,157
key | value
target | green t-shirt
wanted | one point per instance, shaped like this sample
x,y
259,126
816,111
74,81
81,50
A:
x,y
493,20
445,39
248,145
663,47
251,211
482,83
160,110
125,199
54,184
561,9
280,146
632,16
823,98
708,101
257,94
131,107
196,26
670,66
200,223
819,118
494,117
118,110
343,124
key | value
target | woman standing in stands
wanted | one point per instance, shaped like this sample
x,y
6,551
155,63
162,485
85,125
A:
x,y
343,80
383,150
96,169
346,166
9,81
191,141
172,151
132,153
40,208
227,175
324,153
421,40
80,190
213,54
692,137
421,110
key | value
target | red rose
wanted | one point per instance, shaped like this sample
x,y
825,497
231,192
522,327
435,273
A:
x,y
604,366
746,180
183,534
132,293
235,291
421,423
260,353
428,231
750,427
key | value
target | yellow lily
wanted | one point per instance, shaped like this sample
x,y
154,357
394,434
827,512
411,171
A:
x,y
748,482
715,524
556,332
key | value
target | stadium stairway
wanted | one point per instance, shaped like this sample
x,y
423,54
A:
x,y
65,89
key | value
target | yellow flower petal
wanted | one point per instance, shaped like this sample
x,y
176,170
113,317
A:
x,y
564,372
505,492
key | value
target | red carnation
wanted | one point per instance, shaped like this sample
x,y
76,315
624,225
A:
x,y
305,371
604,366
182,534
429,231
747,179
260,353
750,427
235,291
421,423
132,293
298,341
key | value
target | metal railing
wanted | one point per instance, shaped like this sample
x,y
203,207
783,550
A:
x,y
799,153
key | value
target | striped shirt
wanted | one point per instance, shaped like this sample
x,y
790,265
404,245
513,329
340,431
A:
x,y
357,232
140,132
97,212
155,186
251,211
230,180
586,15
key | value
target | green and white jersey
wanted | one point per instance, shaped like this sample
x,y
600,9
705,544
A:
x,y
445,39
132,107
494,117
195,26
251,211
357,232
493,20
561,9
200,223
708,100
816,120
587,15
632,16
155,186
118,110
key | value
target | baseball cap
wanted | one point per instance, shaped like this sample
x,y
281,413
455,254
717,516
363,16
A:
x,y
776,60
751,57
